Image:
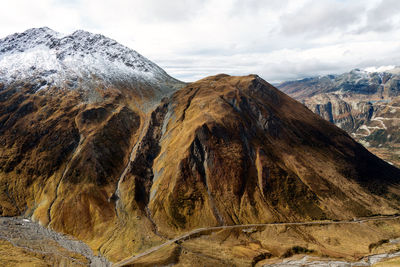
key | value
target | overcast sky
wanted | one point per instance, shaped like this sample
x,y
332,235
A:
x,y
190,39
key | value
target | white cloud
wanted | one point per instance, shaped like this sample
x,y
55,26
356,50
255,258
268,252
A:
x,y
322,17
383,17
278,39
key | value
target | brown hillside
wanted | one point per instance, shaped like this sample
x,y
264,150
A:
x,y
223,150
236,150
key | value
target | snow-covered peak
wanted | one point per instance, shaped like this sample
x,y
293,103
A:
x,y
380,68
359,73
20,42
76,60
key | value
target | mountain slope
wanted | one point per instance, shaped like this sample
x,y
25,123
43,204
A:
x,y
65,137
223,150
127,165
254,155
362,103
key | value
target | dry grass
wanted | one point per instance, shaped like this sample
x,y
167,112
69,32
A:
x,y
15,256
395,262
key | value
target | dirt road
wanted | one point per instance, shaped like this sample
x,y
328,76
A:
x,y
198,231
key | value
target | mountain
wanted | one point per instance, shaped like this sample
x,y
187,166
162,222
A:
x,y
71,109
365,104
369,85
81,60
126,164
253,154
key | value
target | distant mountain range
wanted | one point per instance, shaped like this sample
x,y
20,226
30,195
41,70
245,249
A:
x,y
100,143
365,104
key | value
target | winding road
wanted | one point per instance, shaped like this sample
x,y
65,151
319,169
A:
x,y
217,228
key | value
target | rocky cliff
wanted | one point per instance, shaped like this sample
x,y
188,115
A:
x,y
365,104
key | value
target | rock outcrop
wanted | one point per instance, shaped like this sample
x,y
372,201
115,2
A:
x,y
362,103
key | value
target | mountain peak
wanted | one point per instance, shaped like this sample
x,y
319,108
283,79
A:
x,y
44,54
19,42
44,29
83,32
90,37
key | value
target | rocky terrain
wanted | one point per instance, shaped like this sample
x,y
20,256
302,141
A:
x,y
365,104
310,262
126,164
29,243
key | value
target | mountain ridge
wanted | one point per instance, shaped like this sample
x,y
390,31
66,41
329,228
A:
x,y
372,85
137,164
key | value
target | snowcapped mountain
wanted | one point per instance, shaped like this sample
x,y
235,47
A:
x,y
368,84
79,60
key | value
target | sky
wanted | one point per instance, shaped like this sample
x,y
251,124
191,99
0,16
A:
x,y
276,39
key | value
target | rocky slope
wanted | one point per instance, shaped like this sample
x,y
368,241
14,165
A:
x,y
29,244
365,104
126,165
253,154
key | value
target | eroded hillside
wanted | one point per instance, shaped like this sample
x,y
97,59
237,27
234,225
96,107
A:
x,y
365,104
221,151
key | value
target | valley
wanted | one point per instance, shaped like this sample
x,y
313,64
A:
x,y
105,158
33,243
252,228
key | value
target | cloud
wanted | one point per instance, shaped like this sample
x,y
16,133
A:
x,y
383,17
322,17
277,39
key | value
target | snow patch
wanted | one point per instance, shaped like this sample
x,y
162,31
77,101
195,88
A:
x,y
365,143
